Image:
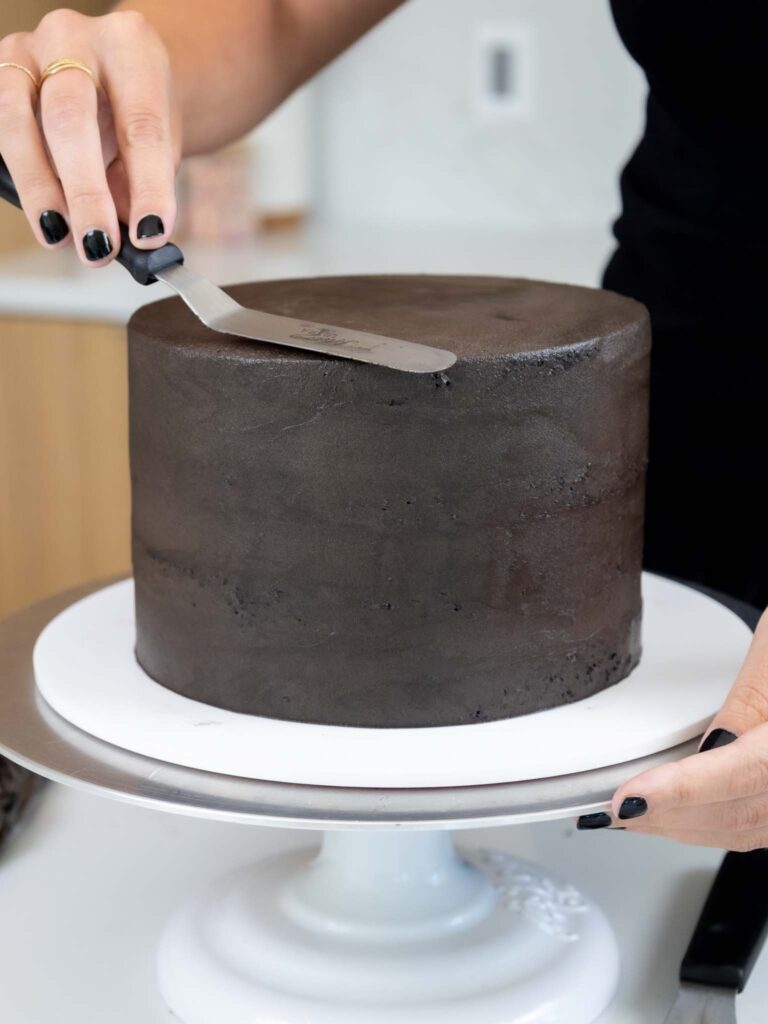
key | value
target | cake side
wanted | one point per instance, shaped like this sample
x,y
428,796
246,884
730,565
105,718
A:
x,y
323,541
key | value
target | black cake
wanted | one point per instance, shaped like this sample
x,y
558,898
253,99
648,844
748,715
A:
x,y
325,541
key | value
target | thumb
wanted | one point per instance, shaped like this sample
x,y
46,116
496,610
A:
x,y
747,704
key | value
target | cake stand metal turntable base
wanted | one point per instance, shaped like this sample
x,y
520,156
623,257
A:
x,y
389,923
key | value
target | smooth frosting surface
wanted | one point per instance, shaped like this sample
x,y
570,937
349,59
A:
x,y
325,541
472,316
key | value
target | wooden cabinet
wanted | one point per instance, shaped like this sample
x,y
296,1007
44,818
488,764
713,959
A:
x,y
64,481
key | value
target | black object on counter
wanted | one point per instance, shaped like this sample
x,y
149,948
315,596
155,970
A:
x,y
733,924
17,787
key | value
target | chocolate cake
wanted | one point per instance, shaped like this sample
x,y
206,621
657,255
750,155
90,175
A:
x,y
325,541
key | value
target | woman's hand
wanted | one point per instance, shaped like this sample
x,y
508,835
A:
x,y
719,796
84,156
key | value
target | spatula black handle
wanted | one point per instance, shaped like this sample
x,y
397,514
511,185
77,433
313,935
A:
x,y
140,263
7,188
733,924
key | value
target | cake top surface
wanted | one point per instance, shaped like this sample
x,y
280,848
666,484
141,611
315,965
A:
x,y
475,317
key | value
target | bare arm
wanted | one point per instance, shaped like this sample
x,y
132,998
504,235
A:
x,y
231,68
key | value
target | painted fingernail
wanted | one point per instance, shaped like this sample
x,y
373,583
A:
x,y
633,807
97,245
590,821
150,227
717,738
53,226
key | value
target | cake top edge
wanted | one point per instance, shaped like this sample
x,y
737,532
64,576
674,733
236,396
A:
x,y
474,316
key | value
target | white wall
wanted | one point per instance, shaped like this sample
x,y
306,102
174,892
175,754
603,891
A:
x,y
403,140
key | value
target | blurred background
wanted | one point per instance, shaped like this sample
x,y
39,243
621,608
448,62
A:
x,y
475,136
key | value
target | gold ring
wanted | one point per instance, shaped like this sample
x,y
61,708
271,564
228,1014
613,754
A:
x,y
66,65
20,67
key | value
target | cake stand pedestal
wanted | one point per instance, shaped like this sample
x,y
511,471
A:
x,y
389,923
388,927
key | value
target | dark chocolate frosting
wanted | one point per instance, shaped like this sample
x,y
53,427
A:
x,y
325,541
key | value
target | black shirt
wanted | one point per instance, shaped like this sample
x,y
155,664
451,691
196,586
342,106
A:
x,y
693,246
693,233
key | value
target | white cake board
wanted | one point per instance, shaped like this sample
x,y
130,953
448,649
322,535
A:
x,y
692,650
381,927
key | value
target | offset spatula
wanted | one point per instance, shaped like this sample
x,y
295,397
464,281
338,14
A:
x,y
726,943
221,313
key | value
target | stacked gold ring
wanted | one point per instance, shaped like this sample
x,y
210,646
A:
x,y
56,66
20,67
66,64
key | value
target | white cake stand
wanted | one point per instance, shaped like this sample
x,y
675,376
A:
x,y
388,924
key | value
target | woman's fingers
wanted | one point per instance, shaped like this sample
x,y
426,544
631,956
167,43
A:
x,y
738,771
67,147
138,80
22,147
741,815
747,704
731,768
732,772
117,178
738,842
720,793
69,104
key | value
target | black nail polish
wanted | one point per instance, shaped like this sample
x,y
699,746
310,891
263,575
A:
x,y
150,227
53,226
590,821
717,738
633,807
97,245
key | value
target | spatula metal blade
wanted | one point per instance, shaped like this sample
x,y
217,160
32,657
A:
x,y
222,313
703,1004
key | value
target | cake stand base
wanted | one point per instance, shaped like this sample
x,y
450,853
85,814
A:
x,y
389,928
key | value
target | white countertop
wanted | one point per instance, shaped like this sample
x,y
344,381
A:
x,y
87,886
37,283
